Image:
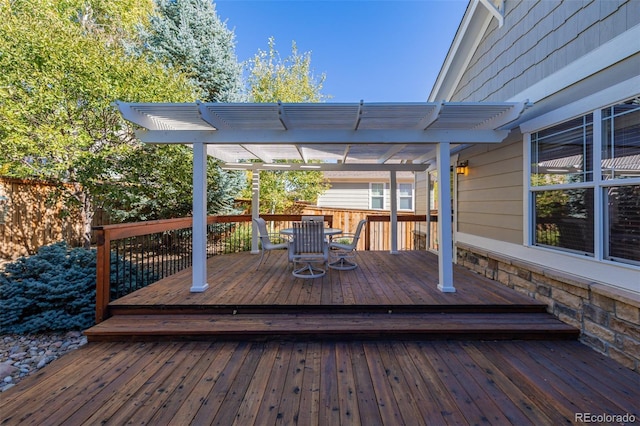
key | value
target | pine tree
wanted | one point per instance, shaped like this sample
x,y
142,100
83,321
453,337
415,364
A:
x,y
188,36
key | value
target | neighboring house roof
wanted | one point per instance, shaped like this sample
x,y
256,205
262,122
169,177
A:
x,y
629,163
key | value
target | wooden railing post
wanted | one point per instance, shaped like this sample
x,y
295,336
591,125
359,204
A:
x,y
103,274
367,235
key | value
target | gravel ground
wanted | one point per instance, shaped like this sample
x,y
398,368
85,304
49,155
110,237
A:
x,y
21,356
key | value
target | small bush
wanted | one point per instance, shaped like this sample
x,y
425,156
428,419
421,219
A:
x,y
54,290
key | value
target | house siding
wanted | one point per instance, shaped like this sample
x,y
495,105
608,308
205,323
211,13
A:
x,y
355,195
421,193
490,196
352,195
537,39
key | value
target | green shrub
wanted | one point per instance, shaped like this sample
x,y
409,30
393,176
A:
x,y
55,289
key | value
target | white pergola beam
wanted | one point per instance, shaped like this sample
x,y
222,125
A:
x,y
361,167
257,153
505,118
431,117
393,226
255,210
390,153
211,118
220,154
323,137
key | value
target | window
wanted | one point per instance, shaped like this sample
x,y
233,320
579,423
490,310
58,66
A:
x,y
623,223
574,203
564,219
562,154
561,163
376,196
405,196
621,141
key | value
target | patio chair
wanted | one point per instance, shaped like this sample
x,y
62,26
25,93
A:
x,y
266,244
310,250
343,249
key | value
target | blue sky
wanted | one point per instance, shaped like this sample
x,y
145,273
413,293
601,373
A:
x,y
374,50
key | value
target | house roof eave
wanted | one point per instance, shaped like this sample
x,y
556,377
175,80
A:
x,y
472,28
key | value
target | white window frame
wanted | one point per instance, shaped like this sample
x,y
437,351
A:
x,y
384,195
412,196
584,184
599,267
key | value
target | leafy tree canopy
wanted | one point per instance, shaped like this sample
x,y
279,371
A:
x,y
63,65
291,79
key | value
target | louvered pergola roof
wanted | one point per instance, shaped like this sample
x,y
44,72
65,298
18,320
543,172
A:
x,y
347,136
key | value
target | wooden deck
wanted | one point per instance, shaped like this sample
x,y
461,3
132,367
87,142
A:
x,y
324,383
387,295
405,280
376,346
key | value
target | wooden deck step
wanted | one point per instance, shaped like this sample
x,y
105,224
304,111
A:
x,y
481,326
327,309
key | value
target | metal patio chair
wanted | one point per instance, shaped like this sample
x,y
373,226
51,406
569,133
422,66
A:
x,y
343,249
266,244
310,250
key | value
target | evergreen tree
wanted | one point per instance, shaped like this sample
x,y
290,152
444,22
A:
x,y
188,36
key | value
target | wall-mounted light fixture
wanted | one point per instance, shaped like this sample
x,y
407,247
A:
x,y
461,167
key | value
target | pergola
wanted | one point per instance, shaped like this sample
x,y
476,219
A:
x,y
323,136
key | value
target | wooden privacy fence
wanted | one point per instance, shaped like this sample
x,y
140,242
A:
x,y
413,231
32,216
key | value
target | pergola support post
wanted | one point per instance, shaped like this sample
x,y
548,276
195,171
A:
x,y
393,226
199,227
445,251
255,209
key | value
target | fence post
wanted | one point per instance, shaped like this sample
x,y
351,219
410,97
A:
x,y
103,274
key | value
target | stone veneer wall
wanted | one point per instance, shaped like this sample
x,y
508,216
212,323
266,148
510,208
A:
x,y
608,318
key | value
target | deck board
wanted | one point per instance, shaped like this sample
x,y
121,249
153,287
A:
x,y
312,382
382,279
354,303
